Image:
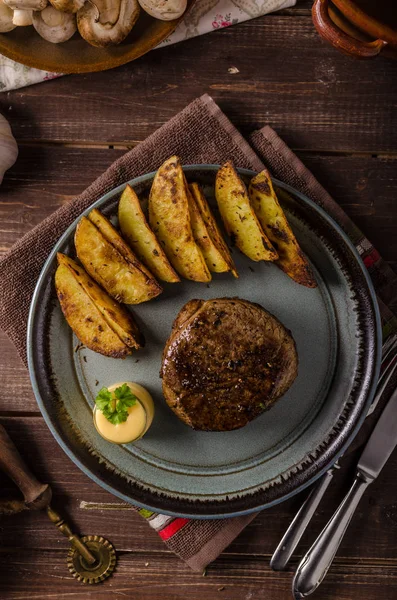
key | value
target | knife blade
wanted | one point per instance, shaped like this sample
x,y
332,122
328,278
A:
x,y
315,564
382,441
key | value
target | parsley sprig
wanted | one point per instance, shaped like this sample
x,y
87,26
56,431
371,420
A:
x,y
114,406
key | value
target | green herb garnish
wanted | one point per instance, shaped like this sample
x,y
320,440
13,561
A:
x,y
115,408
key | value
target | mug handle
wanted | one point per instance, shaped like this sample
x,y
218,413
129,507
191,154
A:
x,y
338,38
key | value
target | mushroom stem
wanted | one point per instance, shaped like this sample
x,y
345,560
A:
x,y
22,18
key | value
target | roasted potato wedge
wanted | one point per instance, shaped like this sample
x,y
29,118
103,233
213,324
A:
x,y
239,218
213,258
110,261
274,222
225,263
116,316
140,237
169,219
85,318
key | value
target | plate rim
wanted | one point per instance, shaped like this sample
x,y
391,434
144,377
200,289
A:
x,y
335,456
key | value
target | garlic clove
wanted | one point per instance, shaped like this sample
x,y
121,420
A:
x,y
8,147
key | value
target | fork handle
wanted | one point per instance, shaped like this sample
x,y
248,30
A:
x,y
292,536
315,564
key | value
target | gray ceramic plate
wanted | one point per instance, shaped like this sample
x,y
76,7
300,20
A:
x,y
174,469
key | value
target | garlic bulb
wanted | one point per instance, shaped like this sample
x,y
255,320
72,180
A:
x,y
8,147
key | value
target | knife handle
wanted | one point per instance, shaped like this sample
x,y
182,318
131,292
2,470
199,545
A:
x,y
315,564
298,526
37,495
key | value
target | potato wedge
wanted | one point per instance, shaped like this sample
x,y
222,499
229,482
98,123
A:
x,y
213,229
239,218
140,237
274,222
213,258
169,219
108,259
116,316
84,317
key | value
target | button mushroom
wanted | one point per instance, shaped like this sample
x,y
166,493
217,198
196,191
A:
x,y
107,22
165,10
69,6
53,25
22,18
6,15
26,4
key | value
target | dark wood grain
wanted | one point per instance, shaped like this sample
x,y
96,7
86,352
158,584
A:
x,y
340,116
155,576
373,532
315,97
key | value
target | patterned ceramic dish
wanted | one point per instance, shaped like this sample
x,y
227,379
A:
x,y
174,469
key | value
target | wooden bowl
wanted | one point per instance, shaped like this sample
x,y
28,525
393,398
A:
x,y
25,46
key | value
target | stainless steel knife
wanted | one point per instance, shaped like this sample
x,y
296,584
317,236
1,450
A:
x,y
316,562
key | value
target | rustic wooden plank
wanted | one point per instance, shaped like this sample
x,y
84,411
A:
x,y
314,96
41,574
93,510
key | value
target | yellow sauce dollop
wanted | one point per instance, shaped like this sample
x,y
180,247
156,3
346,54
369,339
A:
x,y
140,417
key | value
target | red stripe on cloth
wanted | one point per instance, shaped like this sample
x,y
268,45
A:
x,y
372,258
172,528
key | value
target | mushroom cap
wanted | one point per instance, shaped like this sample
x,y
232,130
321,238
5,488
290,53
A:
x,y
116,19
26,4
68,6
165,10
53,25
6,15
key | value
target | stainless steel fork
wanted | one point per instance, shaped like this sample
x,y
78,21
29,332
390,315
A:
x,y
292,536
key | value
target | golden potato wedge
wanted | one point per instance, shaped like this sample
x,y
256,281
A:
x,y
84,317
274,222
116,316
213,229
140,237
213,258
169,219
239,218
108,259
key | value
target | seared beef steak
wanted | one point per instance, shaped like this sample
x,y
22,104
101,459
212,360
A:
x,y
225,362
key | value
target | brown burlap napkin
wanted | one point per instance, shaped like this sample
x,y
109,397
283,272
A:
x,y
201,133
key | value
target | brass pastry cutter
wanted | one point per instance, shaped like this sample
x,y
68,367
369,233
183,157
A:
x,y
91,558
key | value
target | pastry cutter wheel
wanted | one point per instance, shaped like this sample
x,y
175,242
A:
x,y
91,558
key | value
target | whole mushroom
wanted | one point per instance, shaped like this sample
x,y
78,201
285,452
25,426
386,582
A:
x,y
6,15
165,10
107,22
53,25
69,6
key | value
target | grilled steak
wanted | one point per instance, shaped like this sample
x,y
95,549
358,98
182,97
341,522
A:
x,y
226,361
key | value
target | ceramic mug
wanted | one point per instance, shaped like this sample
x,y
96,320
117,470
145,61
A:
x,y
356,27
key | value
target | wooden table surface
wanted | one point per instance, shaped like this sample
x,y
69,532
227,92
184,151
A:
x,y
339,115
